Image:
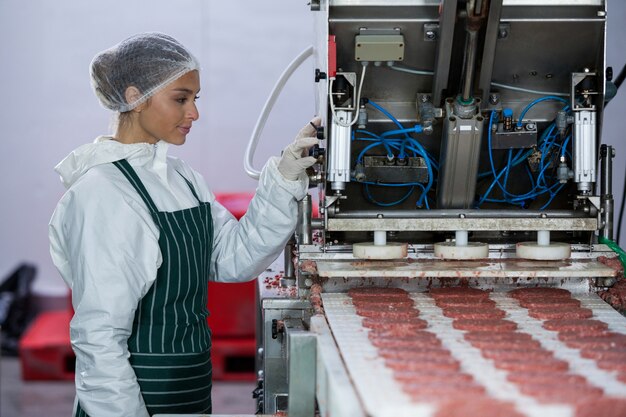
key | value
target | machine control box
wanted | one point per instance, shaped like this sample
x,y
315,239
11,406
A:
x,y
374,48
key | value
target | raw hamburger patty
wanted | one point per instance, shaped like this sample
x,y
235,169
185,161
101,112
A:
x,y
606,341
613,354
526,293
406,343
430,376
557,302
434,364
464,302
530,345
473,313
426,393
472,406
573,325
543,377
561,394
515,353
410,324
604,407
457,292
531,364
388,314
412,354
383,301
488,336
550,313
495,325
374,292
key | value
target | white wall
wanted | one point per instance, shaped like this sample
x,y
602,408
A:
x,y
48,108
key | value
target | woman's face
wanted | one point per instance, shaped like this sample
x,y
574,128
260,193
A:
x,y
169,114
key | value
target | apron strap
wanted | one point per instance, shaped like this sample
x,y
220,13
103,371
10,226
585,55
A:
x,y
193,190
134,180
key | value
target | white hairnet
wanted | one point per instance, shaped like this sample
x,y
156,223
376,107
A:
x,y
147,61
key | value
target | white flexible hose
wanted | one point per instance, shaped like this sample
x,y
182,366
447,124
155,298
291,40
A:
x,y
267,108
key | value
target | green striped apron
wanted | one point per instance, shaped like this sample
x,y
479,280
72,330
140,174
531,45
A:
x,y
171,341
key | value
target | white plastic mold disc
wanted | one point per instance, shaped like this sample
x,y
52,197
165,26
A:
x,y
553,252
391,250
473,250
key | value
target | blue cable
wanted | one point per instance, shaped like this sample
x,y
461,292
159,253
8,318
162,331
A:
x,y
534,102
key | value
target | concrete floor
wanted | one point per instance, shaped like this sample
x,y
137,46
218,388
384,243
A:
x,y
55,398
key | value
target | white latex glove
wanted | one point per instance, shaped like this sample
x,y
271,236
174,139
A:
x,y
293,161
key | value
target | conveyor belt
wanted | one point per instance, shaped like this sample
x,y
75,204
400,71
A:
x,y
382,395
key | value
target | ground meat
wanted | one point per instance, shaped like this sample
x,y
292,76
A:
x,y
531,364
449,389
545,378
474,313
464,302
457,292
614,263
572,325
561,393
374,292
565,336
606,341
612,364
411,324
422,354
479,407
488,336
383,302
616,295
494,325
386,313
399,331
541,292
406,343
550,313
433,364
421,376
506,344
602,407
613,354
557,302
515,353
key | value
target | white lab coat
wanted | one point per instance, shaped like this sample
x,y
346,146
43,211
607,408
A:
x,y
104,243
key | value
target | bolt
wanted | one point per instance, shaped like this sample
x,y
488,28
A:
x,y
424,98
494,98
503,33
530,126
308,282
431,35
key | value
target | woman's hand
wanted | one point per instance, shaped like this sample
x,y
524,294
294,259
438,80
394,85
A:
x,y
293,161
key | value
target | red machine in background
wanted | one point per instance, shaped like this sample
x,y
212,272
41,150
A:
x,y
232,308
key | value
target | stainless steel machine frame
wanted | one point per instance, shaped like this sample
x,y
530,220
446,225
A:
x,y
445,67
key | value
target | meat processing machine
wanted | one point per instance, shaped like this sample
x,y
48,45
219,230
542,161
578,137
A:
x,y
460,149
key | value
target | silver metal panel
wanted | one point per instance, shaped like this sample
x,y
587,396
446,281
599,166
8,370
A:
x,y
487,268
301,346
335,392
460,153
334,224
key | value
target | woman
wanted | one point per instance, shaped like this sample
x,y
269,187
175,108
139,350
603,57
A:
x,y
138,235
